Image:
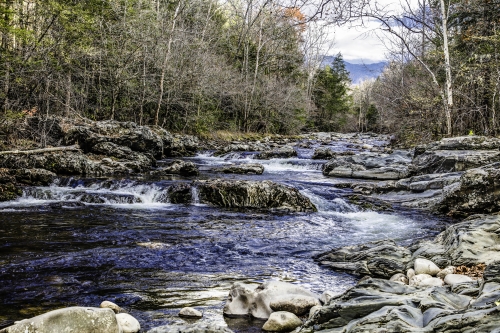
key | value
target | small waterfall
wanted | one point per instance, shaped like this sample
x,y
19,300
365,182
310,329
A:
x,y
337,205
195,195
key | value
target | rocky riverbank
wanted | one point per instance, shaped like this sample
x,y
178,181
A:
x,y
435,285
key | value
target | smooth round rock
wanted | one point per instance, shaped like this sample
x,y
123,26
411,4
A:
x,y
451,279
431,282
399,277
416,279
282,321
445,271
110,305
424,266
296,304
128,323
190,312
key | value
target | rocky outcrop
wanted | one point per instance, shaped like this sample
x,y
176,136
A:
x,y
73,319
253,168
281,152
257,301
253,194
238,146
323,153
180,193
471,242
13,180
369,166
443,161
376,305
137,138
477,191
470,142
378,259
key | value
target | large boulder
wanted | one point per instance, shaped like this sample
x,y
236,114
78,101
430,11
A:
x,y
256,301
477,191
124,157
470,142
369,166
138,138
180,167
380,259
281,152
73,319
192,328
180,193
253,194
282,321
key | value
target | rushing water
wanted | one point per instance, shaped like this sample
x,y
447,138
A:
x,y
82,241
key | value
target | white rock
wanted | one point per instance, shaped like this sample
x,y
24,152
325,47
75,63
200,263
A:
x,y
313,310
399,277
296,304
448,270
431,282
416,279
424,266
327,296
451,279
410,273
127,323
190,312
282,321
110,305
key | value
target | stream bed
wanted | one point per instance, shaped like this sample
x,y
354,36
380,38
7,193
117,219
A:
x,y
83,241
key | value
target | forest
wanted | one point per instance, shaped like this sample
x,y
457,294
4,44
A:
x,y
200,66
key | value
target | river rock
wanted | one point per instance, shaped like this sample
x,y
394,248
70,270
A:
x,y
137,138
242,147
380,258
322,153
34,177
282,321
399,277
73,319
125,158
178,145
467,243
127,323
296,304
369,166
452,279
190,312
192,328
111,305
180,167
470,142
418,278
253,194
327,295
442,161
313,310
256,301
282,152
448,270
476,192
180,193
424,266
252,168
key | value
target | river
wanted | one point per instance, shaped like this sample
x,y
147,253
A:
x,y
82,241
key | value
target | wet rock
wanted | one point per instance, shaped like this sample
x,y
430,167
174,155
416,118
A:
x,y
193,328
425,266
253,168
190,312
242,147
127,323
369,166
296,304
137,138
253,194
282,321
73,319
380,258
110,305
180,193
322,153
452,279
183,168
282,152
256,301
443,161
468,243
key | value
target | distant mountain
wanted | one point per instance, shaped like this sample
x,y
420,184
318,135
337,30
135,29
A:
x,y
360,71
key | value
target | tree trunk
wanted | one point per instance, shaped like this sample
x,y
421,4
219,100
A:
x,y
447,65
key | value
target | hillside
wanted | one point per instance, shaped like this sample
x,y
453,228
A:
x,y
360,72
